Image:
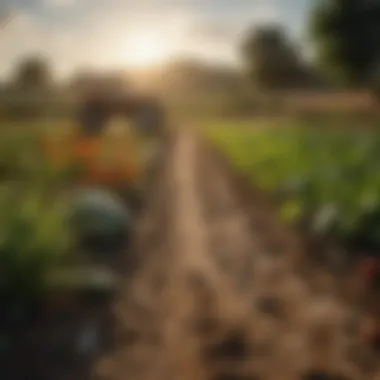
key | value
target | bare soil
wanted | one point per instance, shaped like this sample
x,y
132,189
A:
x,y
215,289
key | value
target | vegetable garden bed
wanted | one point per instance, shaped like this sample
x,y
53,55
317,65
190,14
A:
x,y
325,180
47,281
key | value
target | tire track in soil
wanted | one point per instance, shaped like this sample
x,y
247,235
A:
x,y
197,284
213,296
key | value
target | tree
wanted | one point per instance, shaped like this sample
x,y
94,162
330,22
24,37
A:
x,y
32,88
346,35
270,59
33,74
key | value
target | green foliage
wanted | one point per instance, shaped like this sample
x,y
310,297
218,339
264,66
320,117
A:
x,y
34,240
346,36
34,234
330,178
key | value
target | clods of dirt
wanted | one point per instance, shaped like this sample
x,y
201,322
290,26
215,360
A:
x,y
322,375
234,346
270,305
233,376
205,326
369,333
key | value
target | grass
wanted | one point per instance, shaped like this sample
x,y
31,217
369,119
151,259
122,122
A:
x,y
326,178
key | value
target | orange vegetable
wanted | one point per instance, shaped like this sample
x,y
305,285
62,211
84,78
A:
x,y
87,148
88,151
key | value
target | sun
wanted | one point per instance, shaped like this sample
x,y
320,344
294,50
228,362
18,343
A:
x,y
146,49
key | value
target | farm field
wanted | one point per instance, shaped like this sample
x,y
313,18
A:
x,y
194,200
216,287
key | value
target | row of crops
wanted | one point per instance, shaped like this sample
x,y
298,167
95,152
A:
x,y
39,252
325,179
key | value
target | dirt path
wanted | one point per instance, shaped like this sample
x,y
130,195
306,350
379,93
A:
x,y
214,297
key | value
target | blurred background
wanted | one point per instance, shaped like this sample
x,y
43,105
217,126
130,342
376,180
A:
x,y
245,58
287,90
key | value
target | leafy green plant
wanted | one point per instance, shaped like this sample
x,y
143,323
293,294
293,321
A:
x,y
331,177
34,239
34,236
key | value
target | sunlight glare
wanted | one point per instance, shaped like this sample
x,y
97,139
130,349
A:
x,y
146,49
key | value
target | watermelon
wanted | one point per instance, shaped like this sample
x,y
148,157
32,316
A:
x,y
100,216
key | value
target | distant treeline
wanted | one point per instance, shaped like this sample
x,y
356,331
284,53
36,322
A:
x,y
343,37
185,86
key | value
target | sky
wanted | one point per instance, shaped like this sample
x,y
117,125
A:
x,y
136,33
